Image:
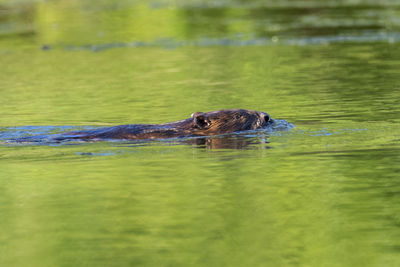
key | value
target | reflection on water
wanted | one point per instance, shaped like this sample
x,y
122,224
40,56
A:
x,y
128,23
325,193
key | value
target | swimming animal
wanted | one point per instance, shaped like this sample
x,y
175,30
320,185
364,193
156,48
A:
x,y
199,124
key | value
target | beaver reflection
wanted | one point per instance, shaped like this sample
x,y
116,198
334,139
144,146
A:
x,y
230,142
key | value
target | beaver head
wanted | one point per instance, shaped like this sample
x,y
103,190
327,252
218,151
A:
x,y
228,121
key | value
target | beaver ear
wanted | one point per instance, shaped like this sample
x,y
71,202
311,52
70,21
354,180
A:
x,y
196,114
200,120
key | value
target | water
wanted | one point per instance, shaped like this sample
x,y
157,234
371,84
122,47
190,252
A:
x,y
326,193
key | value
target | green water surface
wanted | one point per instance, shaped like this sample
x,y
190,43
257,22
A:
x,y
326,193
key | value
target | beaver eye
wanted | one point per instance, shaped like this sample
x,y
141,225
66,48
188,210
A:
x,y
201,120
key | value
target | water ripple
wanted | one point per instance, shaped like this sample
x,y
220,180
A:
x,y
170,43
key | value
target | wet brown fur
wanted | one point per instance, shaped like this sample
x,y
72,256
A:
x,y
200,124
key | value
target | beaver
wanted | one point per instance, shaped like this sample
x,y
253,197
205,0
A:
x,y
199,124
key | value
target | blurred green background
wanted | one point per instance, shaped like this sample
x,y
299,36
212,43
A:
x,y
323,194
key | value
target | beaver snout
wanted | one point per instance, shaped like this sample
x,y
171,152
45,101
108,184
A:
x,y
267,119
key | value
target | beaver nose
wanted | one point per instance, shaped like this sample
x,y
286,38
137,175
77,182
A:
x,y
268,119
